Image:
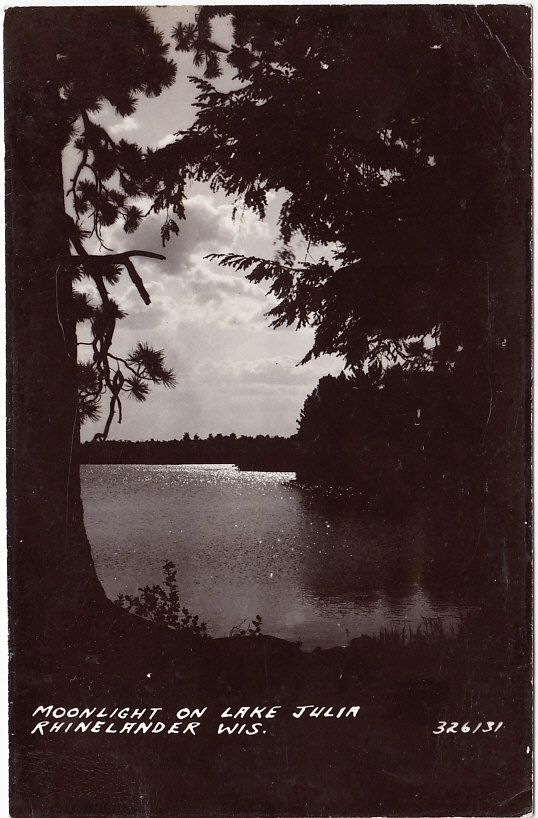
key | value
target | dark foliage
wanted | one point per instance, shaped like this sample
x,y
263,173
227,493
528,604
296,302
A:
x,y
252,628
410,433
386,126
160,604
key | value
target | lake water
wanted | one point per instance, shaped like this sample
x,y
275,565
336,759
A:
x,y
317,568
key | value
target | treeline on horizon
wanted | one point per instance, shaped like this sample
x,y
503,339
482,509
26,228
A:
x,y
262,453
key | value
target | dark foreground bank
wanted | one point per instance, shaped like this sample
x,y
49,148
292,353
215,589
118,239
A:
x,y
395,756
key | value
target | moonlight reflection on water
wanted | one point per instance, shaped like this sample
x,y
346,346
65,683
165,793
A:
x,y
317,568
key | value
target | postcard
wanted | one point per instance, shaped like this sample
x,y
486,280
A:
x,y
269,402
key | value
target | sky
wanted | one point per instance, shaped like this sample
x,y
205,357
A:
x,y
234,373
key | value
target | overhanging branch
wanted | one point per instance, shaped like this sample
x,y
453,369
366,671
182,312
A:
x,y
96,263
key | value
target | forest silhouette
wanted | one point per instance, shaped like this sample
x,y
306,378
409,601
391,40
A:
x,y
260,453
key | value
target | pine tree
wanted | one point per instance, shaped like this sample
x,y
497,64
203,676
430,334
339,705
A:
x,y
62,64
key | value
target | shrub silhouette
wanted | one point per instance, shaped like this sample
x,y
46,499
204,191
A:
x,y
160,604
254,628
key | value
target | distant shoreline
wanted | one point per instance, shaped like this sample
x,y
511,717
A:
x,y
261,453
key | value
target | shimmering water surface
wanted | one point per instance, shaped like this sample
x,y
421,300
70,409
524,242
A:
x,y
317,568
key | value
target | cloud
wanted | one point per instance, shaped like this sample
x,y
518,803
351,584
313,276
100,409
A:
x,y
125,125
209,226
212,227
265,375
166,140
203,294
186,286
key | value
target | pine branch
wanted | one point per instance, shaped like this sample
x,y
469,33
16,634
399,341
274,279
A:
x,y
96,262
118,258
137,281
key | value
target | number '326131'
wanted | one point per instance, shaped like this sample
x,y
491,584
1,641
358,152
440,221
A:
x,y
467,727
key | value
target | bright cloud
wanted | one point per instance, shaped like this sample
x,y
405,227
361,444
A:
x,y
126,125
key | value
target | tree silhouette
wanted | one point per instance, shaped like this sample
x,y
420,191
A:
x,y
109,177
369,119
408,434
62,64
399,135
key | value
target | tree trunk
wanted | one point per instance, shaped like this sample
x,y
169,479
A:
x,y
51,572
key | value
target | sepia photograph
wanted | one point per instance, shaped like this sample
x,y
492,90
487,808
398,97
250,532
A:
x,y
269,345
